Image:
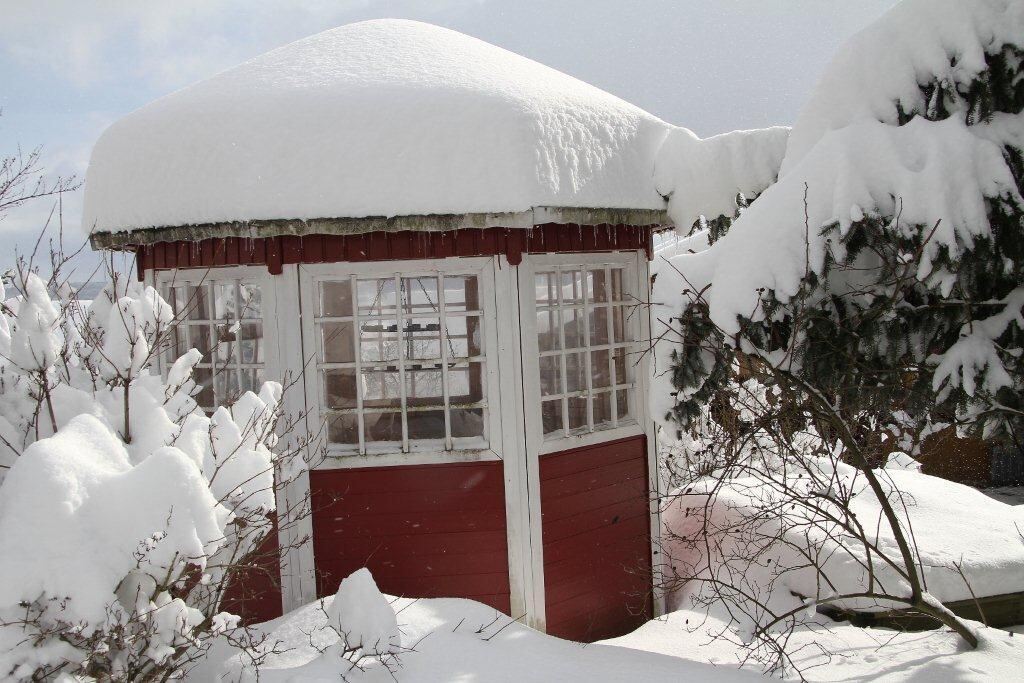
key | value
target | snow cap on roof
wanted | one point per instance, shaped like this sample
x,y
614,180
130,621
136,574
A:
x,y
378,118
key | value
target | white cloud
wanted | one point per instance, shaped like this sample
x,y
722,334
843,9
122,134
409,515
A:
x,y
170,44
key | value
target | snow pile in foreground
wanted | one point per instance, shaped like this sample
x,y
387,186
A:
x,y
63,507
378,118
951,523
828,651
452,639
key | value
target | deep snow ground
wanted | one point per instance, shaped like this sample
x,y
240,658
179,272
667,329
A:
x,y
857,654
459,640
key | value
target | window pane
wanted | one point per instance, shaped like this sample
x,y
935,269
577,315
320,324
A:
x,y
376,297
547,330
378,340
224,307
203,377
383,426
224,353
422,339
336,298
419,295
251,343
577,413
575,372
598,286
426,425
572,319
250,379
199,338
619,323
602,408
622,370
467,422
464,336
544,286
598,326
424,388
340,388
550,375
177,343
551,415
252,301
466,383
225,384
381,389
599,369
571,284
622,397
196,302
618,294
461,293
337,340
343,429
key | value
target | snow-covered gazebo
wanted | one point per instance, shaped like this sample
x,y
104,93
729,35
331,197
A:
x,y
453,242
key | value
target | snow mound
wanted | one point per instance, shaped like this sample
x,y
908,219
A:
x,y
702,177
363,616
954,527
453,640
378,118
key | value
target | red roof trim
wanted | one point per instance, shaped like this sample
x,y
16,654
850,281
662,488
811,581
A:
x,y
274,252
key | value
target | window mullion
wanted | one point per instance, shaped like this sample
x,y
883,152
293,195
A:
x,y
611,341
358,356
401,360
443,321
211,314
238,334
561,357
587,311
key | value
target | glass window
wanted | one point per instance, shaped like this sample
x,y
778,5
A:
x,y
223,319
586,333
401,362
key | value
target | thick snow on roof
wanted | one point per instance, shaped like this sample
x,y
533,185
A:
x,y
378,118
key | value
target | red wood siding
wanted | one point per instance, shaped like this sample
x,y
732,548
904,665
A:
x,y
388,246
255,592
423,530
595,514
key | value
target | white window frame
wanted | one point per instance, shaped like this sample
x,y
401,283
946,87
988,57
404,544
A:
x,y
250,275
412,452
634,280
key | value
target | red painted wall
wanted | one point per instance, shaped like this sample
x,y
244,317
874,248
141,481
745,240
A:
x,y
254,593
595,514
423,530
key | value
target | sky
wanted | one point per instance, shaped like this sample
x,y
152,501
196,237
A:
x,y
69,68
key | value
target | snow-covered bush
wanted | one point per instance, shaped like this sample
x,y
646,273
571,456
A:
x,y
125,511
875,290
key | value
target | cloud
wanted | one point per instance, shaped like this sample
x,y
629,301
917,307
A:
x,y
171,44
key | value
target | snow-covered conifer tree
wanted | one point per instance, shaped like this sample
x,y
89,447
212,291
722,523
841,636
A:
x,y
887,265
877,288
